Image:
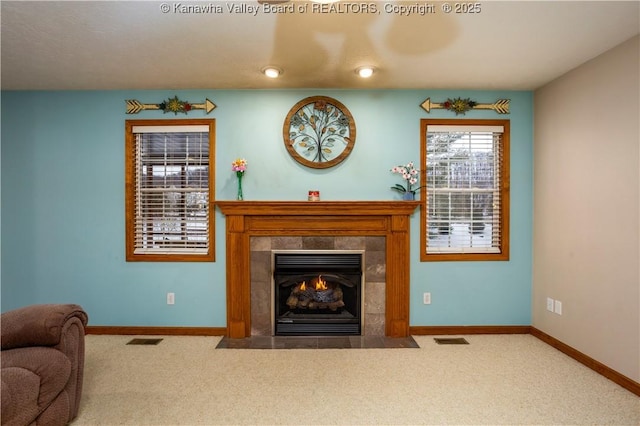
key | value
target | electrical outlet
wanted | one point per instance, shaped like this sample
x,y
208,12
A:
x,y
558,307
549,304
171,298
426,298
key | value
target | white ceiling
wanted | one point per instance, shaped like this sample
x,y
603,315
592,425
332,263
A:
x,y
517,45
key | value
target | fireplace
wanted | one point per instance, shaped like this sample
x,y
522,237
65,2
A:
x,y
317,293
246,220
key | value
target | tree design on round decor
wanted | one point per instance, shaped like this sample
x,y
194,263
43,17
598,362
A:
x,y
319,132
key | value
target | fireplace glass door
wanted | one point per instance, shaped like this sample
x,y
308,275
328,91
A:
x,y
317,293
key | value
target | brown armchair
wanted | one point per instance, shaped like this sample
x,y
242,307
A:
x,y
42,361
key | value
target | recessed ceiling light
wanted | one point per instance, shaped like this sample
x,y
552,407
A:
x,y
365,72
272,72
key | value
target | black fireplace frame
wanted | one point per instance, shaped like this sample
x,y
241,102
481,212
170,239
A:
x,y
344,267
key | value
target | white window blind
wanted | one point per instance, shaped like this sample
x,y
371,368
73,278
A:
x,y
171,190
464,189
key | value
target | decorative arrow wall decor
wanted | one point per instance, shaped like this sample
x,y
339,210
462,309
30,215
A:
x,y
461,106
173,105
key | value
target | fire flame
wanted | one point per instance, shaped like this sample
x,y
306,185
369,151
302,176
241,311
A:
x,y
318,284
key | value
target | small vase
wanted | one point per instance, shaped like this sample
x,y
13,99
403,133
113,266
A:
x,y
408,196
240,196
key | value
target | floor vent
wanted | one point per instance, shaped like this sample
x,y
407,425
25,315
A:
x,y
144,341
451,341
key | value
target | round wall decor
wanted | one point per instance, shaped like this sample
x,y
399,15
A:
x,y
319,132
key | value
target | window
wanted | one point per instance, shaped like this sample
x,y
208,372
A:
x,y
465,190
169,172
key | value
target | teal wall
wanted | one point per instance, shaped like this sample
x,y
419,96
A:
x,y
63,201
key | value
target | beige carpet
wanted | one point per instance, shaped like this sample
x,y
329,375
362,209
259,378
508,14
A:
x,y
511,380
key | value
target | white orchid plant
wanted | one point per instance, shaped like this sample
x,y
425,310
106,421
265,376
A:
x,y
410,174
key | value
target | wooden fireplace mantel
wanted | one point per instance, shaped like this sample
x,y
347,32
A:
x,y
312,218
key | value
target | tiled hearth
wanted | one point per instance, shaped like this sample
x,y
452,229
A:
x,y
321,342
374,276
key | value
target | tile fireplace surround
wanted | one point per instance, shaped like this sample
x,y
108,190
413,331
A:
x,y
374,268
313,222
